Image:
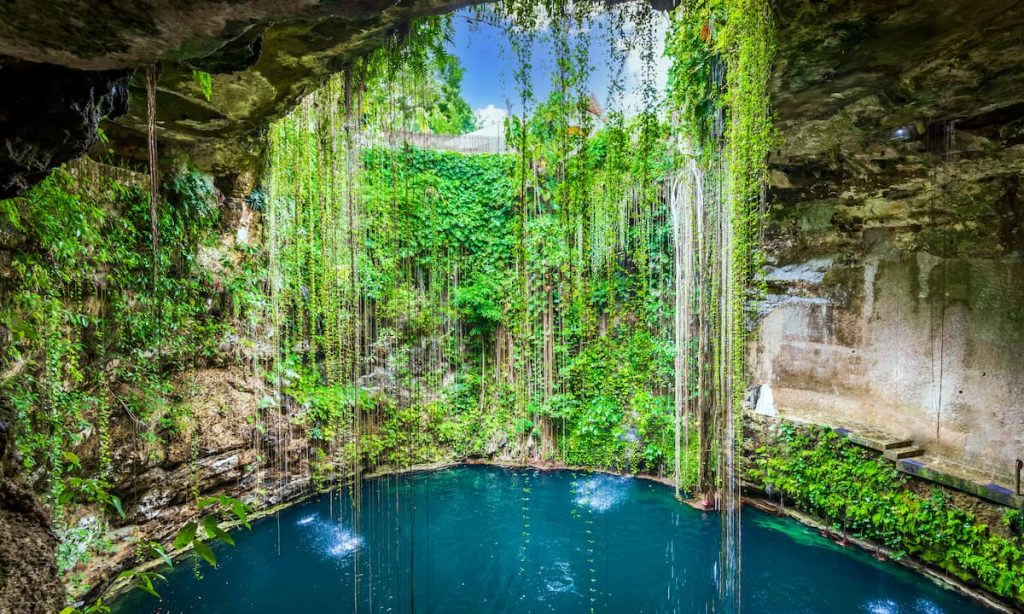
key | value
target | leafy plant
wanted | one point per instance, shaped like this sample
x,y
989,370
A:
x,y
205,81
863,495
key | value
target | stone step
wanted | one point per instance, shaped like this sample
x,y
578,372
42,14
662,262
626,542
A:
x,y
901,453
936,471
900,443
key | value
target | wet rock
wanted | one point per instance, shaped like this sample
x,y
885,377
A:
x,y
263,55
896,228
235,56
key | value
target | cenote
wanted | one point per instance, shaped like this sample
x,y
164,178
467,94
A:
x,y
764,252
487,539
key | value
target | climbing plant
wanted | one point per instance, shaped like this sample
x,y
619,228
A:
x,y
722,133
412,305
78,315
861,495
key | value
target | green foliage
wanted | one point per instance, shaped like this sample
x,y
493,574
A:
x,y
495,301
205,81
414,83
88,341
188,536
144,581
721,54
863,495
611,417
481,303
83,234
453,215
486,276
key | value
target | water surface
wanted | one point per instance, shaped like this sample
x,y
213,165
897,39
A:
x,y
484,539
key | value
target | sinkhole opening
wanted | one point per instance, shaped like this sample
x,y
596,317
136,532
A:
x,y
471,322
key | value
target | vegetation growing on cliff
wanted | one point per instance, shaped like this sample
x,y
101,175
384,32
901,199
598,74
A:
x,y
582,300
88,343
859,494
514,305
444,322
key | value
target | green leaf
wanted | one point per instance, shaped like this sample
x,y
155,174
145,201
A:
x,y
223,536
239,510
185,536
115,502
147,585
204,551
205,81
65,497
214,531
210,525
72,458
159,550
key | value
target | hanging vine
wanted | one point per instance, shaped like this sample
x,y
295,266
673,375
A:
x,y
721,55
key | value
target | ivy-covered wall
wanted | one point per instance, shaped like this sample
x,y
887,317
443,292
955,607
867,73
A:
x,y
100,369
445,344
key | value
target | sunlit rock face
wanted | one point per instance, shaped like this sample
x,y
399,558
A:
x,y
896,231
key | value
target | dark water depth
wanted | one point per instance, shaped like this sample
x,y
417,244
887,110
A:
x,y
483,539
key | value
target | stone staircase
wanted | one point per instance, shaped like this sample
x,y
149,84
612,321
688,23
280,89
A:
x,y
892,448
908,457
911,459
899,450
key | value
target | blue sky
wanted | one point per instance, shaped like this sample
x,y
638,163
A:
x,y
489,81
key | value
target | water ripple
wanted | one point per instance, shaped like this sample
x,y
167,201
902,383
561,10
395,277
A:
x,y
600,493
330,538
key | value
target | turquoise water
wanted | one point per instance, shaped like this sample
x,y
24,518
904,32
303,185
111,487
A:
x,y
484,539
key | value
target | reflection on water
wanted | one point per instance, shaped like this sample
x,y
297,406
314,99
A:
x,y
888,606
924,606
882,607
329,537
559,579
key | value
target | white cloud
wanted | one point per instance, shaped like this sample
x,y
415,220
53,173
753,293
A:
x,y
633,69
490,116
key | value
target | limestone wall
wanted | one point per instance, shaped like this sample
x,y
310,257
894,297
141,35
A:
x,y
896,230
908,343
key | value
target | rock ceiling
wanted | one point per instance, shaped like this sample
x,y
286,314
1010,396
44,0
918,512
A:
x,y
849,73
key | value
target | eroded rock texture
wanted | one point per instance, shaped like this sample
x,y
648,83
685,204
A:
x,y
28,566
263,56
221,452
896,232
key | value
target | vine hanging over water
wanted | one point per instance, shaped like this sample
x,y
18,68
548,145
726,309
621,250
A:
x,y
721,53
